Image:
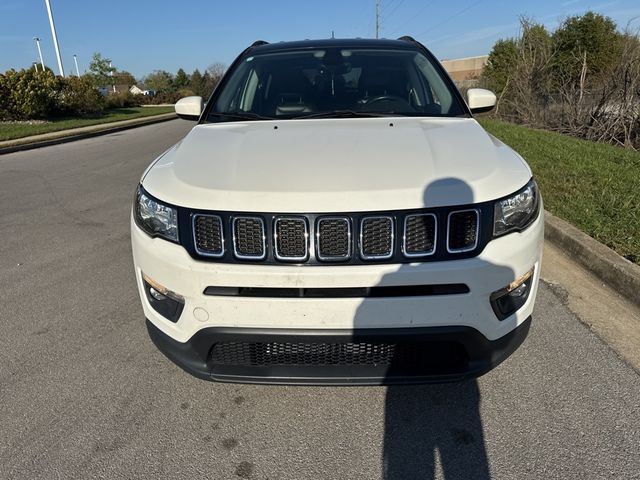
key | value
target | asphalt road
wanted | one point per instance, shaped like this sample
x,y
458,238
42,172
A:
x,y
83,392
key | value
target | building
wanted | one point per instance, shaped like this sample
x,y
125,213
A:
x,y
136,90
464,71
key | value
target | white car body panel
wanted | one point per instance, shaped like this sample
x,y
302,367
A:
x,y
501,262
336,165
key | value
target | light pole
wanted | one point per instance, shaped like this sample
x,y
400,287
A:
x,y
55,37
37,39
75,59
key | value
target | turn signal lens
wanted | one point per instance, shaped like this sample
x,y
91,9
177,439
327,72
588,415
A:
x,y
509,299
167,303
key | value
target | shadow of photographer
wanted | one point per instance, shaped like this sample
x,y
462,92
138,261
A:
x,y
427,423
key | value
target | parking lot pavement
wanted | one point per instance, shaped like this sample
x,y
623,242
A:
x,y
84,393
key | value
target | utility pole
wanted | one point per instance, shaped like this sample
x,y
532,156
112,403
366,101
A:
x,y
55,37
37,39
377,18
75,60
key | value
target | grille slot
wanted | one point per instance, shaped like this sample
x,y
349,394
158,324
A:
x,y
405,357
420,235
376,238
249,238
334,238
208,236
291,239
462,231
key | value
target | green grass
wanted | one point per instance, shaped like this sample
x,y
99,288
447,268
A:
x,y
10,131
594,186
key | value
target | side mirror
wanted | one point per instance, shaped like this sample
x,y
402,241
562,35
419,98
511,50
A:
x,y
189,108
479,100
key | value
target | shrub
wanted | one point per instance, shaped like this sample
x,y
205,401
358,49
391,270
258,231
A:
x,y
79,97
28,94
121,100
162,97
583,79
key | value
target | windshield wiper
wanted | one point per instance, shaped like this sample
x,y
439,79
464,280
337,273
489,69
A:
x,y
240,115
344,114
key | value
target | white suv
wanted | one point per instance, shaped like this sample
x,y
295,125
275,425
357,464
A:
x,y
337,216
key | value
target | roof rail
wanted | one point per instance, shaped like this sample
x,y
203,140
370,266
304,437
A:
x,y
407,38
258,43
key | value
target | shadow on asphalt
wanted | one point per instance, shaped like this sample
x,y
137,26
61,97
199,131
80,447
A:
x,y
423,420
423,423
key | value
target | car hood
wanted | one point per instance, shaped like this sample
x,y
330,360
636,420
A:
x,y
336,165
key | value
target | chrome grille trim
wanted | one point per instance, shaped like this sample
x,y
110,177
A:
x,y
475,244
286,258
363,255
235,238
206,253
335,258
435,236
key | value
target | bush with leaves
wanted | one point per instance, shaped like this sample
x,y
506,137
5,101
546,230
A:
x,y
79,97
121,100
28,94
163,97
583,79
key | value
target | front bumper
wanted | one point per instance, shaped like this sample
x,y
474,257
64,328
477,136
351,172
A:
x,y
452,354
466,319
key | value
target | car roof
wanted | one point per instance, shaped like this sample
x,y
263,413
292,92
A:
x,y
263,47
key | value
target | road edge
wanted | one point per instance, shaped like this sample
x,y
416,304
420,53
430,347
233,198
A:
x,y
616,271
64,136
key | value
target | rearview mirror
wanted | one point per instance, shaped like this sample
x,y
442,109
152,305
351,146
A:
x,y
480,100
189,108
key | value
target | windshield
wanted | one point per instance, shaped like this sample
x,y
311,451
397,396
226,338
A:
x,y
334,82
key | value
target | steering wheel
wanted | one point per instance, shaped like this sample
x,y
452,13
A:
x,y
383,98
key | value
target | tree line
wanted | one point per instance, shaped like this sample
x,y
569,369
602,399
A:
x,y
167,87
581,79
36,93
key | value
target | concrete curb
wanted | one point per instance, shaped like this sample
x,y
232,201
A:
x,y
63,136
617,272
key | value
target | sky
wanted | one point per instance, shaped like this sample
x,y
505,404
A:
x,y
145,35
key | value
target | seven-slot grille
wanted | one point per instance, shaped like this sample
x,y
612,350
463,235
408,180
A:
x,y
376,238
462,231
334,238
291,238
249,238
420,235
208,236
288,237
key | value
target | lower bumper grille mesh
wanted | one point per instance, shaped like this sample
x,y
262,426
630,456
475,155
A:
x,y
404,356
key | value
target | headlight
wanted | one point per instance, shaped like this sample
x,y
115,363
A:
x,y
518,211
155,218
